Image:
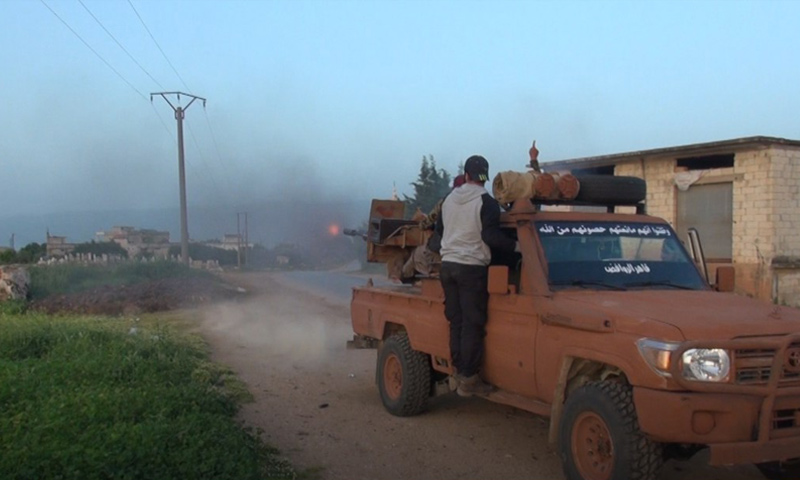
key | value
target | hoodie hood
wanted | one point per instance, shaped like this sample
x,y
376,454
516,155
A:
x,y
467,193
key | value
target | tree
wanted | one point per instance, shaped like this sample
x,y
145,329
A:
x,y
432,184
30,253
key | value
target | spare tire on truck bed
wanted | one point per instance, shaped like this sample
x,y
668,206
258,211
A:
x,y
611,189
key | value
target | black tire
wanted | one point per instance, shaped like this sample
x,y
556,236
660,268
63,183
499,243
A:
x,y
599,436
780,470
404,376
611,189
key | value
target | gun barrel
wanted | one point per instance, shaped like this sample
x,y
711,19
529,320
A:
x,y
351,232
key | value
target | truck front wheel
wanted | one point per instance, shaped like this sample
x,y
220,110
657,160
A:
x,y
599,436
404,376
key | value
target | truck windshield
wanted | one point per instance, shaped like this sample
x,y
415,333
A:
x,y
616,255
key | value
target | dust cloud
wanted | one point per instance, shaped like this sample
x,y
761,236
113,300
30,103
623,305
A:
x,y
272,325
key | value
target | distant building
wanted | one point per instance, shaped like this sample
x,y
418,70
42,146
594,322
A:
x,y
230,241
57,246
144,242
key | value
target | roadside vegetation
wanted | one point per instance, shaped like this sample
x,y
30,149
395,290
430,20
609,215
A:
x,y
93,397
72,278
127,397
30,253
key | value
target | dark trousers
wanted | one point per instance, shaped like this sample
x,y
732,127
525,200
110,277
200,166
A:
x,y
466,300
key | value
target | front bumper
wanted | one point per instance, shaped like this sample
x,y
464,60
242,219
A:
x,y
727,423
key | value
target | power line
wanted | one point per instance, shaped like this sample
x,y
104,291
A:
x,y
226,178
93,50
169,132
213,137
211,130
119,44
203,159
122,47
157,45
191,132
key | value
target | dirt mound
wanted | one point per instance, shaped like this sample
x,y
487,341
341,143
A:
x,y
160,295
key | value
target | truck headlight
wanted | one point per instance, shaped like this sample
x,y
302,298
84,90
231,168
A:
x,y
658,354
706,364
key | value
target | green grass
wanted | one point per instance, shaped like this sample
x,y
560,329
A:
x,y
84,398
61,279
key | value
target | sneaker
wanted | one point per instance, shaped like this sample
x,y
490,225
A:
x,y
454,381
474,386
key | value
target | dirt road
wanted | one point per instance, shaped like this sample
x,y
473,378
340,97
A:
x,y
317,402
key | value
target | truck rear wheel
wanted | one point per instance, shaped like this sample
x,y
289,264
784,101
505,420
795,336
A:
x,y
599,436
404,376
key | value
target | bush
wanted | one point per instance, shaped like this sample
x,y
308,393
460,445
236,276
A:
x,y
84,399
206,253
13,307
30,253
101,248
60,279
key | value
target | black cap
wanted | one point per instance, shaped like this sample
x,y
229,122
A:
x,y
478,168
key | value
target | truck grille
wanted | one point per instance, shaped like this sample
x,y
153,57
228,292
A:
x,y
785,418
754,367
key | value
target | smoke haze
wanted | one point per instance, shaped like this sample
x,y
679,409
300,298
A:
x,y
313,105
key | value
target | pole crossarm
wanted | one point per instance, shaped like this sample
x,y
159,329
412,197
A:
x,y
178,95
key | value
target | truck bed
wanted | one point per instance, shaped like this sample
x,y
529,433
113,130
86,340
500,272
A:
x,y
417,309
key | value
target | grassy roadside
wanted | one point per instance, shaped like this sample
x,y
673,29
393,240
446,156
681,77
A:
x,y
61,279
94,397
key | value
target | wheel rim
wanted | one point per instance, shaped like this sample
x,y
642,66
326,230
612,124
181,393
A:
x,y
392,376
592,448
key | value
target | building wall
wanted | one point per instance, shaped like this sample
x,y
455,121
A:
x,y
786,206
766,214
785,214
753,227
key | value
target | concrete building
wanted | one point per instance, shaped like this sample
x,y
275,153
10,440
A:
x,y
58,246
742,195
136,242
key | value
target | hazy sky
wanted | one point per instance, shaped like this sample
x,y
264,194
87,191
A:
x,y
325,99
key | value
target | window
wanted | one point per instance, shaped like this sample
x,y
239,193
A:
x,y
616,256
707,162
601,170
709,209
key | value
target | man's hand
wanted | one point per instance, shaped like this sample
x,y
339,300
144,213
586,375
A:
x,y
534,154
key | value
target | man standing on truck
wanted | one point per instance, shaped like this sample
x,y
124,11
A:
x,y
469,226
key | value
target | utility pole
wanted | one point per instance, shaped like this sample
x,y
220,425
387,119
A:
x,y
246,239
240,240
179,114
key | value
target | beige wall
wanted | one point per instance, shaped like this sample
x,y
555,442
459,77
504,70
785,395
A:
x,y
786,206
766,213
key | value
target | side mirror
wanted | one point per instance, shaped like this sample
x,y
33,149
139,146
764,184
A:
x,y
498,279
726,279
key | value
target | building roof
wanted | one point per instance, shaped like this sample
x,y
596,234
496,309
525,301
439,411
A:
x,y
696,149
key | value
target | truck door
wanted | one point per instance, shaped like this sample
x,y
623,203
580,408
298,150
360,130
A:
x,y
510,337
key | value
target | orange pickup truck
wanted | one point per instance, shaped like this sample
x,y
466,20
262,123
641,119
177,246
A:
x,y
605,324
